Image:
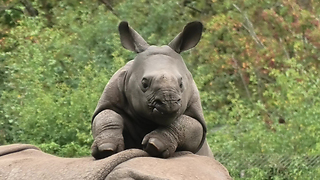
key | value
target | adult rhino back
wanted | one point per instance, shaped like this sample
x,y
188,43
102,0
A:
x,y
152,102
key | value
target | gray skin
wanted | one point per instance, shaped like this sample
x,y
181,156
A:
x,y
152,103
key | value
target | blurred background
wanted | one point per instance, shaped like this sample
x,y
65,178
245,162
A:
x,y
256,67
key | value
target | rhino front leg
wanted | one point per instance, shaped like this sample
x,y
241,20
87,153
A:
x,y
184,134
107,129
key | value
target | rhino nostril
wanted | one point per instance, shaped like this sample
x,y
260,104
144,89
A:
x,y
158,102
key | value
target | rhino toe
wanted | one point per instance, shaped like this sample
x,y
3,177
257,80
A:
x,y
104,150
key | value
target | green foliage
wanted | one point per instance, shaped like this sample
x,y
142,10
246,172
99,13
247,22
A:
x,y
54,77
272,166
256,67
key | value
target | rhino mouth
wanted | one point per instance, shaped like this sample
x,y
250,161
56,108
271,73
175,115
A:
x,y
165,103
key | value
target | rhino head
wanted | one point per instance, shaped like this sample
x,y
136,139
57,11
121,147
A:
x,y
158,85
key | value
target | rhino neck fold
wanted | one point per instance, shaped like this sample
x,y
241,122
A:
x,y
141,121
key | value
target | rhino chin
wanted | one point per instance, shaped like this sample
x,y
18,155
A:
x,y
162,118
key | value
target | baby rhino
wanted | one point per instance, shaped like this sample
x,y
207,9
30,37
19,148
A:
x,y
152,103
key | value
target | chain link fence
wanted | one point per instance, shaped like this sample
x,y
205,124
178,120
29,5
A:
x,y
270,166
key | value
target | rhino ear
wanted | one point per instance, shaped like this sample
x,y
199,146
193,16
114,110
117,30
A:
x,y
188,38
130,39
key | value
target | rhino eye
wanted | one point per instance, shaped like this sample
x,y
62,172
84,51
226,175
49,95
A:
x,y
145,83
180,83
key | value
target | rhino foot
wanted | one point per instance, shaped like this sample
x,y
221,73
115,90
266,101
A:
x,y
159,144
105,149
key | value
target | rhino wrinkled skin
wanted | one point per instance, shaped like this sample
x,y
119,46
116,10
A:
x,y
152,103
27,162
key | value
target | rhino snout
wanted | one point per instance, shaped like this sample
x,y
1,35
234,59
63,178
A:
x,y
167,106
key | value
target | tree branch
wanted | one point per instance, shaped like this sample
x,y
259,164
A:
x,y
194,9
249,27
3,8
284,49
29,8
109,6
241,77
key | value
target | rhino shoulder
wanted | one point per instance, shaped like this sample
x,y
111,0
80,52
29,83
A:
x,y
113,94
194,109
